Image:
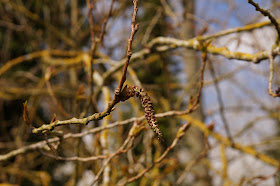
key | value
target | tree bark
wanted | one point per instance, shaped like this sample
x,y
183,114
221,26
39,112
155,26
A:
x,y
195,139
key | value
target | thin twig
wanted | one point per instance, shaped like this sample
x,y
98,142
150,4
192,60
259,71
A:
x,y
134,28
262,178
196,101
52,95
181,132
220,101
268,14
101,36
151,26
92,53
130,139
74,158
271,69
194,162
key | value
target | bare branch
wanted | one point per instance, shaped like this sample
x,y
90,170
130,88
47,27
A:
x,y
268,14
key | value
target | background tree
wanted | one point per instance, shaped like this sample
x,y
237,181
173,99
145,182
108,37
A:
x,y
81,124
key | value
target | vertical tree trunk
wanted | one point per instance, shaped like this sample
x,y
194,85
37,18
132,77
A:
x,y
195,141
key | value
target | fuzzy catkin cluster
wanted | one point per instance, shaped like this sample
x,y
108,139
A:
x,y
147,105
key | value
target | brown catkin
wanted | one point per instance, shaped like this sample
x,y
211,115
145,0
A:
x,y
148,108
